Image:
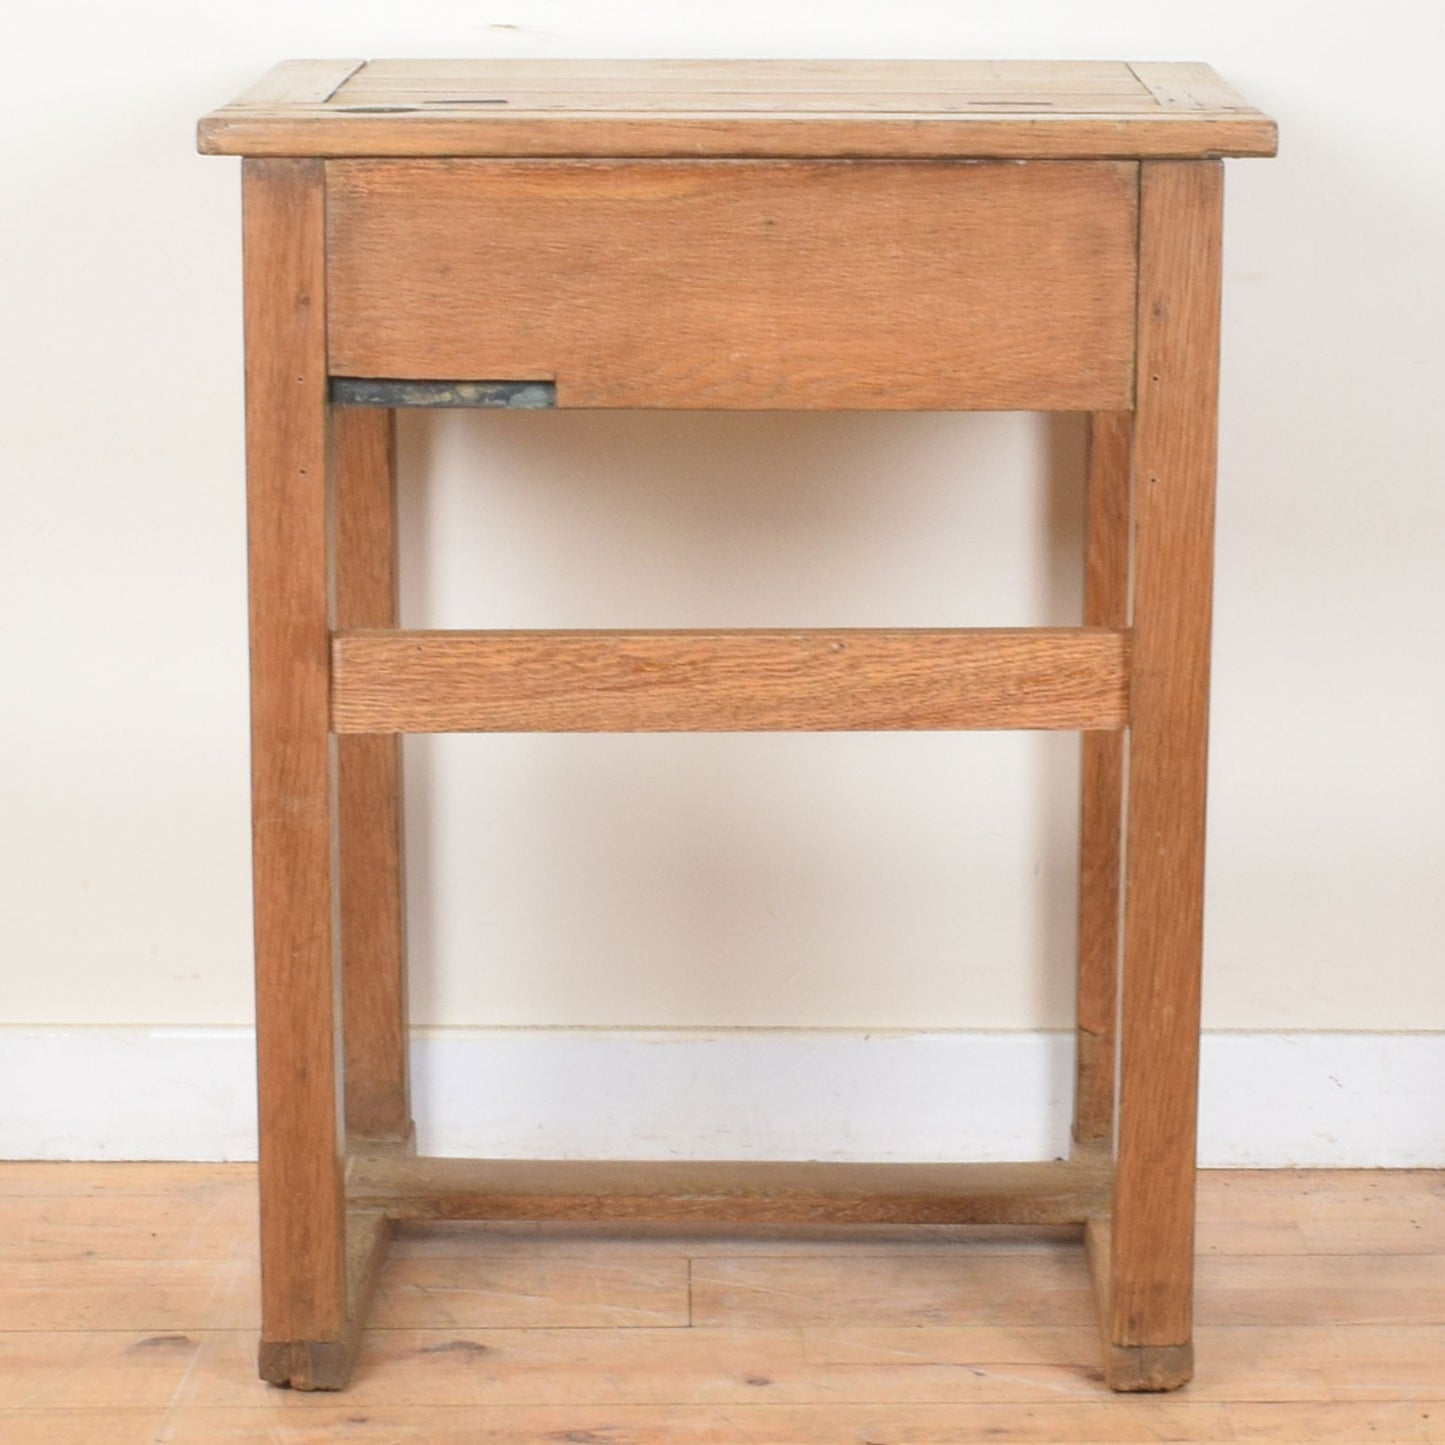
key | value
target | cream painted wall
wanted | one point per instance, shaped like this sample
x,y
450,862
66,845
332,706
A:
x,y
855,881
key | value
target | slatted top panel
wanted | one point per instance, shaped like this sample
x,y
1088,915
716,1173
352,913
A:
x,y
905,108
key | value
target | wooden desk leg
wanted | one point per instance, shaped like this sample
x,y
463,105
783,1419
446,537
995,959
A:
x,y
308,1328
1151,1249
1101,819
369,798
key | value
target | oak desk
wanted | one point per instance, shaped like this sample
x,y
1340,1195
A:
x,y
911,235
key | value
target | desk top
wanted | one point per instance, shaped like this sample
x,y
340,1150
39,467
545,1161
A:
x,y
739,108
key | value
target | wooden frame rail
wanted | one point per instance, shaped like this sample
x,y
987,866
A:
x,y
821,680
1053,1192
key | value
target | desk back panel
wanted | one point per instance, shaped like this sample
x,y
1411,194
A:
x,y
912,285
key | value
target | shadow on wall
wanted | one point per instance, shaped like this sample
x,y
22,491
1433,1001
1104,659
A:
x,y
843,880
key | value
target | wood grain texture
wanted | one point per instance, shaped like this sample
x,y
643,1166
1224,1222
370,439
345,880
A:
x,y
145,1295
1177,86
1130,1369
811,285
447,94
327,1364
1096,1256
891,1291
852,80
822,680
302,1253
369,793
1046,1193
297,83
1174,459
540,135
834,1360
1101,815
645,1238
534,1291
924,1332
880,109
808,1423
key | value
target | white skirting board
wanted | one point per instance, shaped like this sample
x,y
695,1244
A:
x,y
1268,1100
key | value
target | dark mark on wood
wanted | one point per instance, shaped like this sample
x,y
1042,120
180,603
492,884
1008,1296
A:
x,y
377,391
456,1347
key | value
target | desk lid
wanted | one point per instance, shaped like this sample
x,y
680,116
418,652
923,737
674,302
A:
x,y
1012,109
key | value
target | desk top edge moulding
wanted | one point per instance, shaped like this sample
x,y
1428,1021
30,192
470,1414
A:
x,y
740,109
745,235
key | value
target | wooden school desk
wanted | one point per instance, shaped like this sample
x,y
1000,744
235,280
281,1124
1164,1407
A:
x,y
825,235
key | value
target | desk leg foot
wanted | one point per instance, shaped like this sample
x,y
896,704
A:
x,y
1141,1368
305,1364
327,1364
1130,1368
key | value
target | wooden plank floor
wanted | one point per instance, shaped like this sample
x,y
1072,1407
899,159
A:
x,y
128,1308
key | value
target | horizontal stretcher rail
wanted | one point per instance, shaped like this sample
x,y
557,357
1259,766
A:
x,y
1055,1192
825,680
